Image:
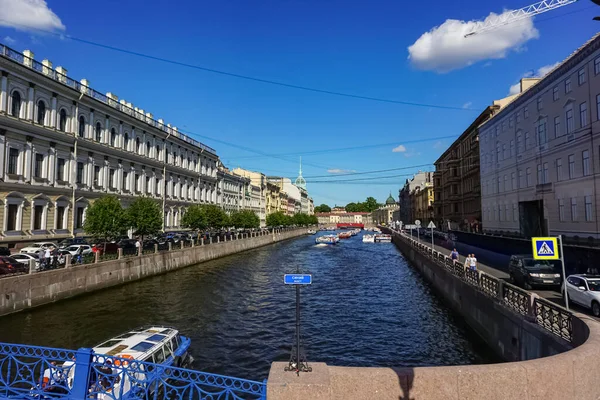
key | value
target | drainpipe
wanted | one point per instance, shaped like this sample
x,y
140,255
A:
x,y
164,203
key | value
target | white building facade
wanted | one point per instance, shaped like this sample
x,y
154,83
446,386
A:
x,y
231,191
539,156
255,195
63,144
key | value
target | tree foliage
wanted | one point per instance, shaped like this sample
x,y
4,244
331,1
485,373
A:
x,y
370,204
105,218
144,216
277,219
322,208
195,218
280,219
216,218
246,219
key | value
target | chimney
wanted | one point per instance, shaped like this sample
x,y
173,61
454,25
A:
x,y
46,67
61,74
85,86
28,58
526,83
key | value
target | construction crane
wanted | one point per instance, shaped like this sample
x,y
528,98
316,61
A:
x,y
508,17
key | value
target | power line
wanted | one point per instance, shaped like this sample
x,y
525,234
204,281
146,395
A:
x,y
240,76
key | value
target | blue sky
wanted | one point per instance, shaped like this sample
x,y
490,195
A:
x,y
353,47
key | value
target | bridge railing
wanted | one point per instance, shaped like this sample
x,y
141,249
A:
x,y
33,372
546,314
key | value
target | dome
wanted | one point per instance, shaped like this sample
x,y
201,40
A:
x,y
390,201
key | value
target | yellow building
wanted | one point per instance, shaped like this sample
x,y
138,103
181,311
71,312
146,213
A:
x,y
424,202
273,198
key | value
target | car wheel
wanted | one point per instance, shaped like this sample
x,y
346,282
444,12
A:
x,y
596,309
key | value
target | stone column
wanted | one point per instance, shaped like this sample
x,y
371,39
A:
x,y
155,248
170,246
30,102
106,138
2,153
28,158
120,176
119,253
105,169
202,241
51,164
121,137
74,119
90,171
91,126
4,91
181,242
53,111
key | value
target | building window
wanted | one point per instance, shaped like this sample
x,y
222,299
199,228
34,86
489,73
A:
x,y
510,122
512,148
126,180
13,160
111,179
541,132
79,175
583,114
157,153
568,85
506,183
96,175
573,209
81,126
98,132
571,166
148,188
570,122
113,137
528,176
585,155
498,152
60,169
598,107
138,145
518,117
38,166
561,210
148,148
539,103
559,169
138,183
515,213
513,181
126,141
60,217
62,120
527,141
41,112
557,126
519,143
504,152
588,208
597,66
555,93
540,178
581,77
15,108
545,173
520,172
525,112
38,213
11,220
79,218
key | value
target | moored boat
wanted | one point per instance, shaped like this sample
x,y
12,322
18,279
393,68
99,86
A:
x,y
326,239
311,232
368,238
383,238
345,235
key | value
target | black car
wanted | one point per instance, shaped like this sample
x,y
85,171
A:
x,y
4,251
9,265
527,272
63,244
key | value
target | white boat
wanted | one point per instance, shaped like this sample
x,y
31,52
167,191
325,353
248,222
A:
x,y
311,232
368,239
327,239
383,238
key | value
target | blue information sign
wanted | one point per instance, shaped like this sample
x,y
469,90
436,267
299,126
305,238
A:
x,y
297,279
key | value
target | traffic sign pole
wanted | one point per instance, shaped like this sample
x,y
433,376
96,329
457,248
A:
x,y
432,240
562,261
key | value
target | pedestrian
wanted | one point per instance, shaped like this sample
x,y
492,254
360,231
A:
x,y
47,256
137,246
473,263
468,261
454,255
79,255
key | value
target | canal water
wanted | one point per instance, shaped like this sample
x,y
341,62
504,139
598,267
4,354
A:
x,y
366,307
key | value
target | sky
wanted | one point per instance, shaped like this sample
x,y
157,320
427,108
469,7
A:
x,y
399,52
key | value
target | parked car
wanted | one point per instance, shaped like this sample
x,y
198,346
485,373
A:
x,y
37,247
86,249
9,265
527,272
585,291
63,244
24,258
4,251
149,244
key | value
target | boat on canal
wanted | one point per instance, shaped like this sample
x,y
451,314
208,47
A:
x,y
311,232
368,238
327,239
345,235
383,238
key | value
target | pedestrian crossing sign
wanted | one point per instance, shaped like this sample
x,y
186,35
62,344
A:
x,y
545,248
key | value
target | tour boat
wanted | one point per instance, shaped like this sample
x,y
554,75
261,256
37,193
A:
x,y
311,232
345,235
155,344
383,238
326,239
368,239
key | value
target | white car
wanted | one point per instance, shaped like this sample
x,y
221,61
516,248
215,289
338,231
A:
x,y
24,258
75,248
37,247
585,291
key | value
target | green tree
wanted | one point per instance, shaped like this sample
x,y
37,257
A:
x,y
371,204
194,218
352,207
277,219
216,218
300,219
314,220
145,217
322,208
105,219
246,219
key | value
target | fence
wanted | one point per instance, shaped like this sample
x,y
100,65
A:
x,y
545,313
33,372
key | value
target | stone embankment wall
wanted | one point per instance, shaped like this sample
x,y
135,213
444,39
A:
x,y
516,325
25,291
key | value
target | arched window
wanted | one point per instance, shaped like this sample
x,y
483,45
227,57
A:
x,y
62,120
41,112
137,145
148,148
157,154
81,126
15,109
98,132
175,158
126,141
113,137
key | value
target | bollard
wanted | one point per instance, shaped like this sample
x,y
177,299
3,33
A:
x,y
181,242
155,248
170,246
201,241
68,260
219,239
210,240
96,257
119,253
140,250
193,242
31,266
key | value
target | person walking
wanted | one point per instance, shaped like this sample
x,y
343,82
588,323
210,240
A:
x,y
468,261
454,255
47,257
473,263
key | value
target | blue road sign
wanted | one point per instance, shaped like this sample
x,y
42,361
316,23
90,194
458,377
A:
x,y
545,248
297,279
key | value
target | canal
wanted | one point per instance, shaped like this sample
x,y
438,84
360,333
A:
x,y
366,307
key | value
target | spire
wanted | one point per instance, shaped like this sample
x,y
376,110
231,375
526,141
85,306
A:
x,y
300,182
300,165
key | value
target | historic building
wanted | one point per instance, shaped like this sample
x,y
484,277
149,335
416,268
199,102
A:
x,y
383,215
457,198
540,169
63,144
407,197
255,192
332,218
423,196
231,190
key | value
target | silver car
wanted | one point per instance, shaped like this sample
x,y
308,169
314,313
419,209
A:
x,y
585,291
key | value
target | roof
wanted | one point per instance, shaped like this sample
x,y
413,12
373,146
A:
x,y
136,343
339,214
390,200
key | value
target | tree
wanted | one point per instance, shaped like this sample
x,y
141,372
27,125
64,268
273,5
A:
x,y
145,217
216,218
300,219
277,219
194,218
352,207
371,204
105,219
246,219
314,220
322,208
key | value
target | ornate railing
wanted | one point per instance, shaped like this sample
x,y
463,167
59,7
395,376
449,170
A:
x,y
32,372
548,315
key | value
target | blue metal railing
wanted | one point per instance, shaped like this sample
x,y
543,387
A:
x,y
33,372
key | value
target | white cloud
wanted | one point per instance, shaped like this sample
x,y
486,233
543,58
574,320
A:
x,y
9,40
445,47
515,89
467,104
340,171
539,73
29,15
399,149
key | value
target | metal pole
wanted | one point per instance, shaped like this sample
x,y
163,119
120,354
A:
x,y
562,260
298,328
418,235
432,240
